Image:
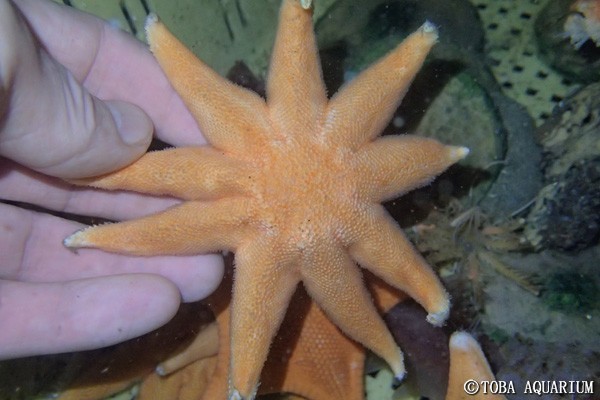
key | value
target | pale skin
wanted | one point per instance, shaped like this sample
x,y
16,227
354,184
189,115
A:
x,y
77,99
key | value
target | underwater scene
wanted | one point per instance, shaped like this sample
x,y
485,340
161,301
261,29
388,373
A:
x,y
412,213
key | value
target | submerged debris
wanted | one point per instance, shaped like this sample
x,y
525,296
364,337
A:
x,y
584,23
567,32
566,214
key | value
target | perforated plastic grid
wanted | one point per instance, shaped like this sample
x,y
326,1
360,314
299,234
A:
x,y
511,48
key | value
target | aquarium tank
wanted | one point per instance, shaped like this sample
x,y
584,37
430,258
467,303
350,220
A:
x,y
507,229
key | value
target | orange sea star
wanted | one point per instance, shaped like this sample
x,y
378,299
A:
x,y
292,186
309,357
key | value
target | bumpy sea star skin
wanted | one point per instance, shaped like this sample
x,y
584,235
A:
x,y
293,186
468,364
309,357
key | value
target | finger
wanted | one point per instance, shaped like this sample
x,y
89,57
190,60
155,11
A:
x,y
31,250
71,133
21,184
91,48
46,318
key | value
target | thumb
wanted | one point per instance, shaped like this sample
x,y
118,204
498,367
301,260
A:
x,y
50,122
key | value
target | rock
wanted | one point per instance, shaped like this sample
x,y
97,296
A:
x,y
553,362
463,114
425,348
520,177
391,21
566,214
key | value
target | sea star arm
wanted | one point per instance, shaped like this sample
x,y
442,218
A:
x,y
360,110
193,227
467,362
263,285
386,252
393,165
231,118
204,345
295,89
347,302
188,173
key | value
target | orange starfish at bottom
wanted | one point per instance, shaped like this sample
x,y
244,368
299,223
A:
x,y
309,358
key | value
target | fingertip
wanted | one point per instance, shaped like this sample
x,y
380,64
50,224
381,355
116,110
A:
x,y
111,309
162,301
204,280
215,270
134,304
49,318
133,125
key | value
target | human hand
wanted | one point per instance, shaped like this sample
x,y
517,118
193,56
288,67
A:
x,y
68,85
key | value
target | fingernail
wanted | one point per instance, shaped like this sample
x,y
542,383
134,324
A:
x,y
134,126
